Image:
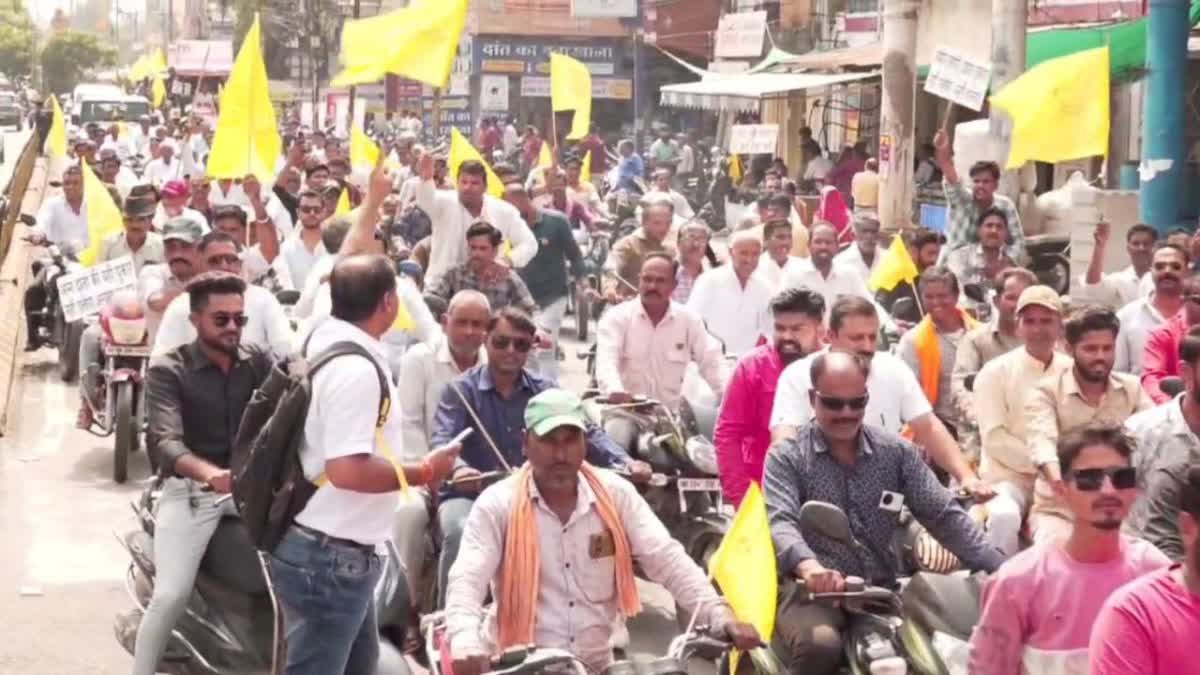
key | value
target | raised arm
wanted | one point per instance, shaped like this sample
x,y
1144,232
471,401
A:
x,y
361,237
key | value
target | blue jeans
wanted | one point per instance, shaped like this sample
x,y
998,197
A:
x,y
326,590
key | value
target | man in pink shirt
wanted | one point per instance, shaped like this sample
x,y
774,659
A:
x,y
1152,626
1039,607
1160,358
743,433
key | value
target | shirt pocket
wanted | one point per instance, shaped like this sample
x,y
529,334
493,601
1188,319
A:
x,y
596,577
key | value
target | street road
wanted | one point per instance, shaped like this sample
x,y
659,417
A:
x,y
61,568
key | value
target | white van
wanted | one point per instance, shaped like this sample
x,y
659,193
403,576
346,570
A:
x,y
105,108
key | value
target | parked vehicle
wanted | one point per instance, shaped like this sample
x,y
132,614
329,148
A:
x,y
1050,260
52,326
11,112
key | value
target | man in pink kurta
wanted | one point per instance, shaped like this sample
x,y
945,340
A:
x,y
743,433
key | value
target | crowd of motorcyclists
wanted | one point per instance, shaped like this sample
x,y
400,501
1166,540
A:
x,y
968,421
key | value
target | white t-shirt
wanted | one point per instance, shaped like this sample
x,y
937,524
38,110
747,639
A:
x,y
340,423
59,222
736,315
896,397
299,260
267,326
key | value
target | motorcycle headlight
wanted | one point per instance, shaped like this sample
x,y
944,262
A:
x,y
702,454
127,331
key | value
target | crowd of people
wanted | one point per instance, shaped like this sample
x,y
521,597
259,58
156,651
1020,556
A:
x,y
1074,427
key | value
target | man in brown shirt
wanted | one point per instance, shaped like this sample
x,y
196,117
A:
x,y
625,259
1087,395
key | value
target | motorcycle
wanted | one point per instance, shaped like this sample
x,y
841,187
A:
x,y
120,410
229,626
586,303
1050,260
52,326
922,628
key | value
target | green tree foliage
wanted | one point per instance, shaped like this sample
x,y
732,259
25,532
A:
x,y
69,55
283,24
17,41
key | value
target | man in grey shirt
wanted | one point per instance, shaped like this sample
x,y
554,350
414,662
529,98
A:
x,y
868,473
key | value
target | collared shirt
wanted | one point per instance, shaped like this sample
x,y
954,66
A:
x,y
61,224
627,255
742,434
962,221
864,188
841,281
1165,447
773,273
342,415
736,314
511,291
852,259
504,422
979,346
802,469
194,407
1160,356
683,209
153,279
1137,318
427,368
449,244
1001,389
638,357
687,160
1057,406
970,265
685,282
1116,289
575,211
299,259
895,399
546,275
266,327
116,246
628,168
948,350
577,599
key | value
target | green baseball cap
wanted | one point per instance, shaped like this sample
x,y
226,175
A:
x,y
552,409
183,229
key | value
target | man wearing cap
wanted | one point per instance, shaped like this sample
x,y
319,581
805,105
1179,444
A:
x,y
174,204
1000,393
165,167
159,284
557,542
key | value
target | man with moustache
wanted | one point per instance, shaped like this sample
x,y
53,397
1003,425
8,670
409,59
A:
x,y
742,435
1118,289
1160,357
1143,315
1088,395
732,300
821,275
159,284
1023,627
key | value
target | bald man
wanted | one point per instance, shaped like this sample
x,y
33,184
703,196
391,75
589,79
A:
x,y
732,300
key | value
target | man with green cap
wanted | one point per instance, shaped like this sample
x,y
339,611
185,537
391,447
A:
x,y
557,541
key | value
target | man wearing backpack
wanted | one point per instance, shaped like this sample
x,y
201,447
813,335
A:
x,y
195,396
325,568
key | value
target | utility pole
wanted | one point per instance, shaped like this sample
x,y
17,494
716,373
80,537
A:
x,y
1163,148
897,112
353,88
1009,26
639,76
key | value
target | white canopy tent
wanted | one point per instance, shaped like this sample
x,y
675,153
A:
x,y
746,92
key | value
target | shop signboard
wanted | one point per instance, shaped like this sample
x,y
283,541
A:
x,y
740,35
493,92
527,56
604,9
537,86
753,139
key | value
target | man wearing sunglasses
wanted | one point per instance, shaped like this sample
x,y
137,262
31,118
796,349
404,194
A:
x,y
267,326
1149,626
1160,358
1168,270
869,473
1023,627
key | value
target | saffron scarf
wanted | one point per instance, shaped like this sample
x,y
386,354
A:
x,y
516,601
929,353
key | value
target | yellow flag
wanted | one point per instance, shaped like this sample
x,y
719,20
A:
x,y
735,169
103,216
897,266
158,61
363,151
1059,109
419,42
585,172
461,150
343,205
545,157
140,69
56,141
159,91
246,140
744,567
571,89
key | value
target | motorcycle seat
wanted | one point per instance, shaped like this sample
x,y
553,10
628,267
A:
x,y
232,560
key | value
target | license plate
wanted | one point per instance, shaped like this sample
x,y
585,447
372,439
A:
x,y
127,350
699,485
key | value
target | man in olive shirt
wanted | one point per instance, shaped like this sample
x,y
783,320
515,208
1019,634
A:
x,y
195,396
546,273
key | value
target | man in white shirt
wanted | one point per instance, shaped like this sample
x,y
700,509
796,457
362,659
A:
x,y
662,190
821,275
62,219
303,248
261,264
644,346
116,174
778,261
165,167
326,567
1169,272
1117,289
159,285
174,204
267,325
862,256
896,398
732,300
454,212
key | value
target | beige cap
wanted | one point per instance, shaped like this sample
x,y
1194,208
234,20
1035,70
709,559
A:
x,y
1043,296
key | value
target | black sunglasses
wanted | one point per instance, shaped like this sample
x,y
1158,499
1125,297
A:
x,y
835,403
311,209
522,345
1090,480
222,320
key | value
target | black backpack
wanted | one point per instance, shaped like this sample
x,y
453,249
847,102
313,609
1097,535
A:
x,y
269,486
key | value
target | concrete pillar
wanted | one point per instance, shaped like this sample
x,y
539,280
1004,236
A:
x,y
898,109
1163,148
1009,25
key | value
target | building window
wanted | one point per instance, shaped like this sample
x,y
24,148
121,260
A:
x,y
856,6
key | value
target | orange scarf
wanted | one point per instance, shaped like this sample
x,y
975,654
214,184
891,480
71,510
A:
x,y
929,353
516,602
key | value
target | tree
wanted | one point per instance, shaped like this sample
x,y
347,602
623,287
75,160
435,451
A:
x,y
282,24
69,55
17,42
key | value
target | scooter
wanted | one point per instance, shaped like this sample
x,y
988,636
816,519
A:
x,y
230,624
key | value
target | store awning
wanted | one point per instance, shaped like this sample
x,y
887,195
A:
x,y
746,92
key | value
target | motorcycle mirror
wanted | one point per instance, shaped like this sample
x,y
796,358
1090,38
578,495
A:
x,y
826,520
904,307
288,297
969,382
976,292
27,220
1172,386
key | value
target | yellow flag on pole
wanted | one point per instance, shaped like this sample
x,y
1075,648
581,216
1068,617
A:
x,y
571,89
363,151
585,171
1059,109
56,141
343,203
419,42
735,169
744,567
461,150
103,217
896,266
545,157
159,91
158,61
246,140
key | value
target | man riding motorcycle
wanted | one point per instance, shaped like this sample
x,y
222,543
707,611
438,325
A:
x,y
62,220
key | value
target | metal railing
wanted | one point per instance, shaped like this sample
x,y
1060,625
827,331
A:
x,y
14,192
